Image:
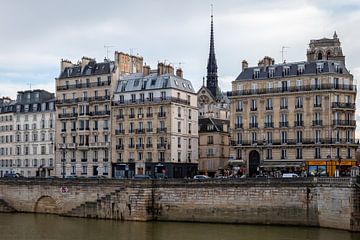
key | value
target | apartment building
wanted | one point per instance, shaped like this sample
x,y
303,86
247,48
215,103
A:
x,y
7,112
297,116
34,133
155,127
83,103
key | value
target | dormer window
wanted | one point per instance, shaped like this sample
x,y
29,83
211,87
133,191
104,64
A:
x,y
319,67
256,73
271,72
286,70
301,69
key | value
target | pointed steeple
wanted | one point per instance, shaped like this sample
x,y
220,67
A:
x,y
212,78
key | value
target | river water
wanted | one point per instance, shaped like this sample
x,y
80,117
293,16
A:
x,y
51,227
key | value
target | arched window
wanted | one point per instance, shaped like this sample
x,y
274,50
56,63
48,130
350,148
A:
x,y
319,56
328,55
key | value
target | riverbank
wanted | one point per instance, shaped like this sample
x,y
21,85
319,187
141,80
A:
x,y
316,202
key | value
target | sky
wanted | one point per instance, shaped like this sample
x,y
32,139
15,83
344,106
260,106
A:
x,y
37,34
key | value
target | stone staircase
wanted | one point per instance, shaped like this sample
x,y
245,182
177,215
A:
x,y
121,204
5,207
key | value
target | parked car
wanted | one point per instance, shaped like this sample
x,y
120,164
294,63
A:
x,y
141,177
290,175
13,175
201,177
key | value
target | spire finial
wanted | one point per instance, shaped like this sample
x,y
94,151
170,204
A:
x,y
212,78
335,35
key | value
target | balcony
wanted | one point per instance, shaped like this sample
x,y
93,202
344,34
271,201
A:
x,y
140,131
71,145
269,125
99,145
298,106
161,146
317,105
132,115
161,130
298,123
253,125
149,115
269,108
345,123
283,107
317,123
343,105
131,145
161,114
68,115
148,159
84,160
99,113
120,147
253,109
238,125
239,109
139,146
119,131
149,145
83,85
305,88
120,117
149,130
284,124
160,100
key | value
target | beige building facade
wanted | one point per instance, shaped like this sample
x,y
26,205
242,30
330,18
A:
x,y
296,117
155,128
83,109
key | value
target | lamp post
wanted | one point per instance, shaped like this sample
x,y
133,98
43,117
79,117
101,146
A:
x,y
63,164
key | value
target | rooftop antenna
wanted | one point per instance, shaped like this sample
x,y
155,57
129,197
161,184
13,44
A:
x,y
107,47
132,50
282,52
29,85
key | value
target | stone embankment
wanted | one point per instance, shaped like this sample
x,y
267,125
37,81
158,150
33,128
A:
x,y
322,202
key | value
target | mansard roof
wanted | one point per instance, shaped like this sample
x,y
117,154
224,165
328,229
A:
x,y
139,82
92,68
310,68
218,124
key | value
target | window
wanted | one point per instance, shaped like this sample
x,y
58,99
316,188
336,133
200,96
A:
x,y
253,105
298,102
299,136
319,67
269,137
239,106
269,104
210,140
298,153
317,153
256,73
317,101
253,137
284,137
299,84
268,153
84,170
283,103
253,87
301,69
283,153
179,127
271,72
286,71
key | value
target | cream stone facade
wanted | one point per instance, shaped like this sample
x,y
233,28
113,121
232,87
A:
x,y
155,128
34,136
83,101
296,116
7,152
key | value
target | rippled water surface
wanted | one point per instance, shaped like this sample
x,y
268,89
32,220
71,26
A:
x,y
37,227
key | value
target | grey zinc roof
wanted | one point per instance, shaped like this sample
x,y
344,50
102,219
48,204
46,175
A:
x,y
138,82
92,68
310,68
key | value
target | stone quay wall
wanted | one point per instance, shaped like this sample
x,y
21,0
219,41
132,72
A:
x,y
322,202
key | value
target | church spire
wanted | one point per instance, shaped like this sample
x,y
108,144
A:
x,y
212,78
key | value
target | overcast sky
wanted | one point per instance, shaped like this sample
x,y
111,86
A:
x,y
37,34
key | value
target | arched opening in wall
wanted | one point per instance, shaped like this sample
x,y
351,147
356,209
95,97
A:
x,y
254,163
320,57
46,204
328,55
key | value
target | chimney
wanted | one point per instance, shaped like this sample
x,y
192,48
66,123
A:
x,y
65,63
85,61
169,69
146,70
179,72
244,65
160,68
266,61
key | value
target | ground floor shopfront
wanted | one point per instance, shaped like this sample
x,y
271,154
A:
x,y
155,170
330,167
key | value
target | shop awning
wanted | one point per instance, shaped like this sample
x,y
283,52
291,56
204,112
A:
x,y
272,164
